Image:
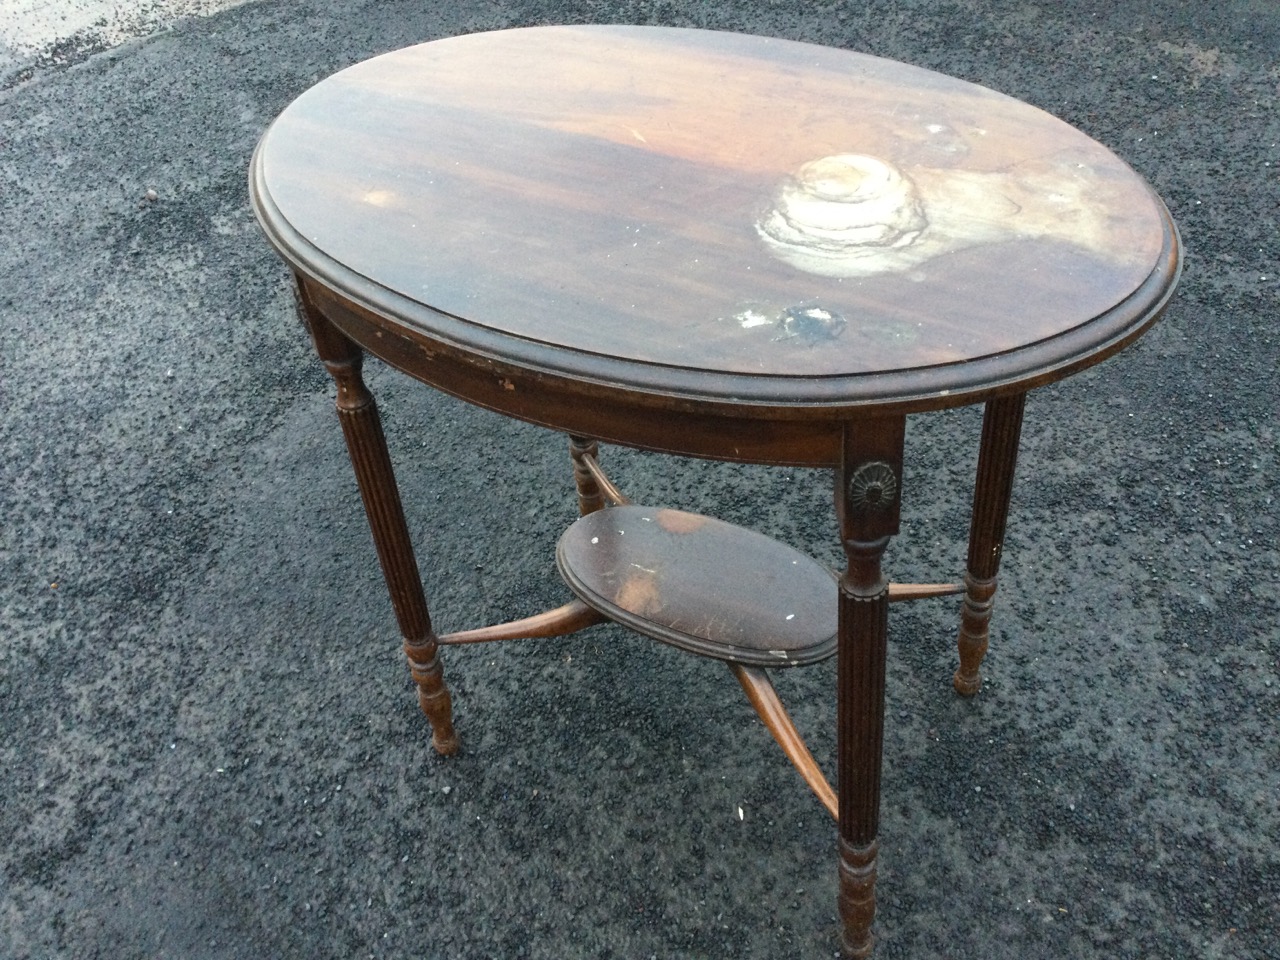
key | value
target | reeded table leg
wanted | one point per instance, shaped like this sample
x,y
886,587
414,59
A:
x,y
867,503
368,449
997,458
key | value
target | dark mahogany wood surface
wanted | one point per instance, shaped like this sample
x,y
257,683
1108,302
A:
x,y
710,222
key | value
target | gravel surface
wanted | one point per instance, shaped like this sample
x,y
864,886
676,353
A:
x,y
48,32
209,742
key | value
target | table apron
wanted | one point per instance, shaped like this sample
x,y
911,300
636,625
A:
x,y
585,409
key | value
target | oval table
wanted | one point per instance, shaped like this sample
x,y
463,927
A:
x,y
721,246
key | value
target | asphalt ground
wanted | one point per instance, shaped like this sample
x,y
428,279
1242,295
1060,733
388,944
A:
x,y
209,743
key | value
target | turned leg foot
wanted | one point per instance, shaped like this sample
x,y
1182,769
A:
x,y
975,620
433,695
857,898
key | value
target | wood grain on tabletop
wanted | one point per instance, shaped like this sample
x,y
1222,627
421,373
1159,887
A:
x,y
643,193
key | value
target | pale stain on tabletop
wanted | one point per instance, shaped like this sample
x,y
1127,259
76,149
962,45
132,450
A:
x,y
853,215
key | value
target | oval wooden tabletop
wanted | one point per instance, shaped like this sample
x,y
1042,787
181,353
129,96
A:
x,y
716,216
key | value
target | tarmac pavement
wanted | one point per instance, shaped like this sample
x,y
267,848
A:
x,y
209,743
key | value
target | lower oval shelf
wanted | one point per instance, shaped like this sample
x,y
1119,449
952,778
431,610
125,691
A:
x,y
702,585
